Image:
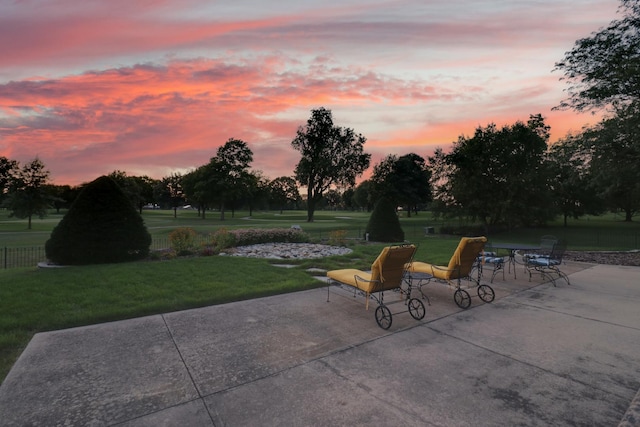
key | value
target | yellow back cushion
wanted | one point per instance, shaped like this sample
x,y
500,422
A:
x,y
463,258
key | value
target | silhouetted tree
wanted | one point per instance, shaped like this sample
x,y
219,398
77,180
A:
x,y
615,162
403,180
28,191
331,156
284,191
573,188
7,170
498,176
603,70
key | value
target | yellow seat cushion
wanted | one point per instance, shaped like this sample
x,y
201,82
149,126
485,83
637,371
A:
x,y
348,277
387,271
437,271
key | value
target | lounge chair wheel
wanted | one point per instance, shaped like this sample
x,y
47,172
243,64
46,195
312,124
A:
x,y
486,294
383,317
416,308
462,298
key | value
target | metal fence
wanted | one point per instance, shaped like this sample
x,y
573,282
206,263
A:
x,y
31,256
22,257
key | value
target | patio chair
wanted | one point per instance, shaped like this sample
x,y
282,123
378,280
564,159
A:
x,y
460,267
546,246
488,258
548,266
387,273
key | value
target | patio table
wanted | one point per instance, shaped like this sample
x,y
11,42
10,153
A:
x,y
513,248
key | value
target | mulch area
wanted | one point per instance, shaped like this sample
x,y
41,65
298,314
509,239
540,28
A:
x,y
612,258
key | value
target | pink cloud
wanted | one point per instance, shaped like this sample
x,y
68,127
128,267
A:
x,y
175,116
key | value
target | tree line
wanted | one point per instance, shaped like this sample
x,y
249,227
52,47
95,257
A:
x,y
508,176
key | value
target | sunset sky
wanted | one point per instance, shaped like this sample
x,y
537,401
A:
x,y
154,87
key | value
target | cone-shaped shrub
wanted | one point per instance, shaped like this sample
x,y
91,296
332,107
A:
x,y
384,225
101,226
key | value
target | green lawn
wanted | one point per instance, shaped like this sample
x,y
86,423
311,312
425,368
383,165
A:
x,y
34,300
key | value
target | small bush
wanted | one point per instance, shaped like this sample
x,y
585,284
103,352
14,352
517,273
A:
x,y
222,239
182,240
253,236
384,225
338,237
162,255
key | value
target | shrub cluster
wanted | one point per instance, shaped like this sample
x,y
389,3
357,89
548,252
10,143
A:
x,y
253,236
182,240
222,239
338,237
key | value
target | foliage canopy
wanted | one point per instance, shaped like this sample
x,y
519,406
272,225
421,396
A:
x,y
603,70
331,156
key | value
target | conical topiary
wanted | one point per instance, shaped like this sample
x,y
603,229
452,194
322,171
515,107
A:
x,y
384,225
101,226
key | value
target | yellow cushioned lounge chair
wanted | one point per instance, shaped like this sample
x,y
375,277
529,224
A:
x,y
460,267
387,273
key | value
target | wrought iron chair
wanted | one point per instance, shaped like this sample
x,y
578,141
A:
x,y
387,273
487,258
548,266
461,266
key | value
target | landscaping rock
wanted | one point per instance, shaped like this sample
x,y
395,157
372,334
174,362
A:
x,y
289,251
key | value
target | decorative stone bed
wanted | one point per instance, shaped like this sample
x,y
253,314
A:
x,y
613,258
288,251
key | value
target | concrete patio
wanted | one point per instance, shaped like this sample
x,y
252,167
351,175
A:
x,y
537,355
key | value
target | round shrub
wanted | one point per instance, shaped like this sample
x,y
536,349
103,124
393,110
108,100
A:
x,y
384,225
101,226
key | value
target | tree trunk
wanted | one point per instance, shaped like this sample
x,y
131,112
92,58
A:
x,y
29,223
175,212
628,215
311,204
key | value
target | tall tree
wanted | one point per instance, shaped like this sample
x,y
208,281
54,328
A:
x,y
139,189
615,163
603,70
571,182
27,191
196,189
404,180
284,191
229,175
498,176
257,190
362,196
7,170
331,156
169,192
